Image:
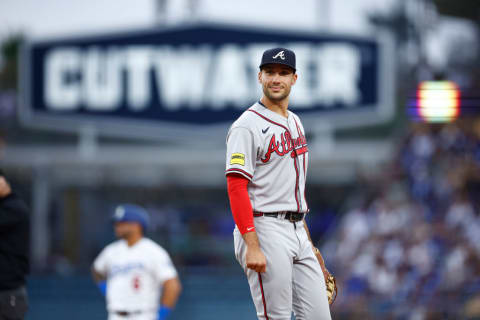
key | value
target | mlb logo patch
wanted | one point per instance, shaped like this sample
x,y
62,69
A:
x,y
237,158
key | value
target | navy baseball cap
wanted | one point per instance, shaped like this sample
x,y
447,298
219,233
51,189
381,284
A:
x,y
279,56
131,213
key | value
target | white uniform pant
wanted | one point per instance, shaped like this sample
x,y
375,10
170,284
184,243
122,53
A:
x,y
137,316
293,280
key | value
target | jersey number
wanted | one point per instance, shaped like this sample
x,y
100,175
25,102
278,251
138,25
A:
x,y
136,283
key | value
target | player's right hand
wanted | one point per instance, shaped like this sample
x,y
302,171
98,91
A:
x,y
255,259
4,187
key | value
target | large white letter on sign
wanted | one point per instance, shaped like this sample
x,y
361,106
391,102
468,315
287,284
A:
x,y
301,93
138,63
62,87
229,78
103,78
338,70
181,75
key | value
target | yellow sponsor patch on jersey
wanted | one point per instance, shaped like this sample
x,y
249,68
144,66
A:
x,y
237,158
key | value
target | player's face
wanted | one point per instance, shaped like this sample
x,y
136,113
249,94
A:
x,y
277,81
125,230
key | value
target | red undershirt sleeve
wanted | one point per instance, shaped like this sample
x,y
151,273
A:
x,y
240,202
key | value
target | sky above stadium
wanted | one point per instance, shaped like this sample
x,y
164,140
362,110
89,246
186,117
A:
x,y
50,18
60,18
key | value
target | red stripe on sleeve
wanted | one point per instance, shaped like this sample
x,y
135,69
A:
x,y
240,202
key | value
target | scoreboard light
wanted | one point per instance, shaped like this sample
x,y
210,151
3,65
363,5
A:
x,y
438,101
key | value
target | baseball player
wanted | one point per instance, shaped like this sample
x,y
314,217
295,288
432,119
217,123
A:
x,y
14,252
266,169
135,273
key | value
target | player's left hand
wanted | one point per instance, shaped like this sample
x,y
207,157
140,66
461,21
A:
x,y
321,262
330,281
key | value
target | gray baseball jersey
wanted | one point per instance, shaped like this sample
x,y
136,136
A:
x,y
271,151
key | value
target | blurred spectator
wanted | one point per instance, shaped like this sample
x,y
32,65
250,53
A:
x,y
414,251
472,308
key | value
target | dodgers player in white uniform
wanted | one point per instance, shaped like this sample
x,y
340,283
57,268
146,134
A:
x,y
135,273
266,169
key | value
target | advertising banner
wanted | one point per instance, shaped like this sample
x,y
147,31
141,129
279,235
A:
x,y
196,80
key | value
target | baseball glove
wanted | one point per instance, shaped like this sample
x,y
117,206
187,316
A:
x,y
331,284
330,281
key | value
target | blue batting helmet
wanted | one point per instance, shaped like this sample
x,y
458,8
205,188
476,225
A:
x,y
131,213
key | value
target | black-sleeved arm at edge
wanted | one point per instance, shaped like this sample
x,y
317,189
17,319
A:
x,y
12,210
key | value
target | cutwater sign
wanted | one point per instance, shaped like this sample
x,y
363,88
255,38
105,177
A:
x,y
198,79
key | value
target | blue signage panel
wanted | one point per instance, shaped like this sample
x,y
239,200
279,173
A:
x,y
200,76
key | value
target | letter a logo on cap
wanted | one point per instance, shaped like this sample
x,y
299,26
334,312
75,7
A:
x,y
280,54
119,213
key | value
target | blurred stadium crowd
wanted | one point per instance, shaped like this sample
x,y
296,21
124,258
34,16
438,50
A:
x,y
409,248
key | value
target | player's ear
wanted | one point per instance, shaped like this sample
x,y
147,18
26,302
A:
x,y
294,78
260,76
